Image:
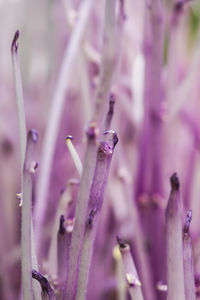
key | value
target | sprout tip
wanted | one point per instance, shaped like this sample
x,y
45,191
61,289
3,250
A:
x,y
121,243
14,45
69,137
175,184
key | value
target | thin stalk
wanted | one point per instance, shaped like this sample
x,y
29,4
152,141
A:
x,y
174,246
108,60
150,154
150,179
19,98
74,154
134,284
192,160
142,257
182,91
27,217
174,41
36,287
63,239
188,260
22,136
104,156
52,129
47,291
107,68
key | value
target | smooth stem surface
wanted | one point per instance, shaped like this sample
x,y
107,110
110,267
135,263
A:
x,y
134,284
150,179
188,261
19,98
63,240
150,154
55,114
36,287
22,136
142,256
109,56
174,244
27,217
104,155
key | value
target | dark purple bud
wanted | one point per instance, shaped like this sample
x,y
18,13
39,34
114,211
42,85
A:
x,y
91,217
122,11
33,134
111,104
121,243
46,288
7,146
14,45
36,165
114,137
188,221
178,6
175,184
197,280
62,229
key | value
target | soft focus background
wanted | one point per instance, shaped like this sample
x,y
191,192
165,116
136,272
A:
x,y
146,155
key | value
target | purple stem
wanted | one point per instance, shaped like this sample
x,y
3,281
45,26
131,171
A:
x,y
188,260
189,179
19,97
63,240
134,284
149,182
27,216
104,156
174,244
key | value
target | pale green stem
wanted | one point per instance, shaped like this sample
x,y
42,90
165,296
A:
x,y
27,217
22,136
19,98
